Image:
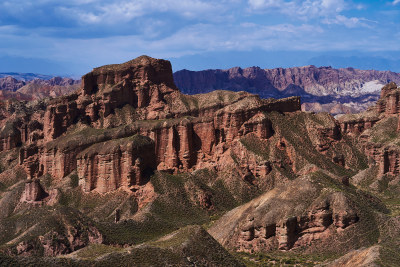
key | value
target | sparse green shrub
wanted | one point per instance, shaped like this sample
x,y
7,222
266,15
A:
x,y
74,180
47,180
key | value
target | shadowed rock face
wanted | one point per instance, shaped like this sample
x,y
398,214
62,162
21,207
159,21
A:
x,y
97,166
34,191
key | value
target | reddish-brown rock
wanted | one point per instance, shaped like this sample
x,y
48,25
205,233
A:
x,y
357,126
272,221
117,163
138,97
389,100
34,191
60,116
10,84
10,137
385,155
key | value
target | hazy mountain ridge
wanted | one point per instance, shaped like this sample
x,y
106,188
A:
x,y
20,87
323,85
25,76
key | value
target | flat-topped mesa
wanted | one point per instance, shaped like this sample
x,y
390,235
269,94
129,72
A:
x,y
144,69
146,89
142,83
139,97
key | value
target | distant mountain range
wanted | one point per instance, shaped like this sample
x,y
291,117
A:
x,y
29,86
322,89
25,76
344,90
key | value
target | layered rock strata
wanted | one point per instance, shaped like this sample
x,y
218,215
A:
x,y
34,191
265,223
385,154
116,163
139,97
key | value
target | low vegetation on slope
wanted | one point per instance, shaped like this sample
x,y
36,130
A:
x,y
129,171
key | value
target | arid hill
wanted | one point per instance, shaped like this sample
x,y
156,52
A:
x,y
36,89
122,170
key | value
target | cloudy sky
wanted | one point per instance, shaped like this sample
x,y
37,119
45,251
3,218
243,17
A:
x,y
72,37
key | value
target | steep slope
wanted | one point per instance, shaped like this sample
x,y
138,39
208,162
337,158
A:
x,y
128,159
320,212
122,135
10,84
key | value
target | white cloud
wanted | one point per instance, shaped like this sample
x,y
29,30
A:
x,y
263,4
395,2
122,11
304,9
327,11
189,40
352,22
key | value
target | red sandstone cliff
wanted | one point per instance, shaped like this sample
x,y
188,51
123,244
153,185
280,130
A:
x,y
373,127
137,98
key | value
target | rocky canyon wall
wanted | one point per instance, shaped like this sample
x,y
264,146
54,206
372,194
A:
x,y
87,131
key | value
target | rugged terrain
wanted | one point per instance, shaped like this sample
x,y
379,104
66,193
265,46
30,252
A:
x,y
324,89
337,91
35,89
127,170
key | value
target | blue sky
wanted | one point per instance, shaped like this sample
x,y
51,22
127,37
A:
x,y
72,37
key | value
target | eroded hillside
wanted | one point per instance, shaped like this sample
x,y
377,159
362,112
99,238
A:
x,y
111,172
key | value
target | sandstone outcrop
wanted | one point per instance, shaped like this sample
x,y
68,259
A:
x,y
283,174
34,191
358,125
365,126
139,97
10,137
270,221
116,163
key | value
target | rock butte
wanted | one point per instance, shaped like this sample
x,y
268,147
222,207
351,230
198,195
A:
x,y
130,119
284,177
138,99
